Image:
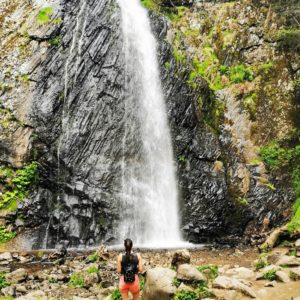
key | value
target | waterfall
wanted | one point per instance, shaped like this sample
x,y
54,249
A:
x,y
148,197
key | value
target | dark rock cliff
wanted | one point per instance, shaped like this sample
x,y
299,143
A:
x,y
77,115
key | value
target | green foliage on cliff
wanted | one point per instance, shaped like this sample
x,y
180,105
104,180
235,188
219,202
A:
x,y
285,155
44,14
17,184
3,282
5,235
289,39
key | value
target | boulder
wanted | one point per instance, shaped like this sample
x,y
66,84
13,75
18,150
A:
x,y
290,261
181,257
283,276
241,273
91,279
8,291
297,244
159,284
5,257
189,273
17,276
224,282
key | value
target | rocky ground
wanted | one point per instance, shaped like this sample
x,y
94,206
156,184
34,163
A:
x,y
182,274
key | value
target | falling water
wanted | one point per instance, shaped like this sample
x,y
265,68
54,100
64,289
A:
x,y
149,209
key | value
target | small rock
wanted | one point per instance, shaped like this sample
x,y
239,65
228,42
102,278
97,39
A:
x,y
189,273
181,257
297,243
289,261
17,276
21,288
271,284
8,291
184,287
6,256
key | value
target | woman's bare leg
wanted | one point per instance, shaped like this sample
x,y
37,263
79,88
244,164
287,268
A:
x,y
125,296
136,296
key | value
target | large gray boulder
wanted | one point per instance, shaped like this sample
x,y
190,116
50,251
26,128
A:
x,y
189,273
159,284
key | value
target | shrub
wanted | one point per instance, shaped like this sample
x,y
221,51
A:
x,y
3,282
176,282
5,235
211,270
116,295
93,257
289,39
76,280
270,275
52,280
185,295
240,73
17,184
55,41
92,269
142,282
44,14
261,262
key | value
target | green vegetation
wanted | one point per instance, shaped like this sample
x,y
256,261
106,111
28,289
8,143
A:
x,y
93,257
176,282
76,280
185,295
201,291
250,104
293,252
285,155
289,39
142,282
261,262
92,269
270,275
210,271
17,184
56,41
5,234
52,279
116,295
240,74
44,14
3,282
242,201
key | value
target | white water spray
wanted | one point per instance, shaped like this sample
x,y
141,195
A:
x,y
149,208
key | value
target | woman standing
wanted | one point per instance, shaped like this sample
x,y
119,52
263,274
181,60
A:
x,y
129,265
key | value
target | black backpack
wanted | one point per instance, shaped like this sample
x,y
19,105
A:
x,y
129,267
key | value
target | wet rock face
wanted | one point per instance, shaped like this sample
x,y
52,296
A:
x,y
205,204
78,115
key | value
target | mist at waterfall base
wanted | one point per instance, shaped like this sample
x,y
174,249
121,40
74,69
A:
x,y
148,200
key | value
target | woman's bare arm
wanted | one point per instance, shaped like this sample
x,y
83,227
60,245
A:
x,y
119,260
141,266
